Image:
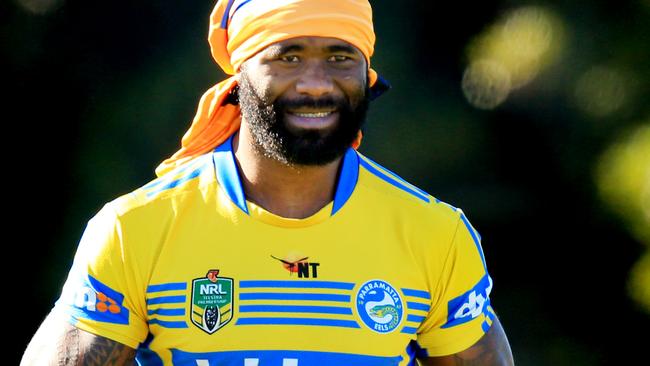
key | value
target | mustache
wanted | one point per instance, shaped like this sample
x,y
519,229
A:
x,y
326,102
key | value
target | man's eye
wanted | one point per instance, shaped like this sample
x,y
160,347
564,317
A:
x,y
290,58
339,58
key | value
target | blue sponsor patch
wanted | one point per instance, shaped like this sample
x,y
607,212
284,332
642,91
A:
x,y
86,297
469,305
278,358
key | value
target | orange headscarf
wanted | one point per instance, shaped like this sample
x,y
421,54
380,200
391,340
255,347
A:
x,y
241,28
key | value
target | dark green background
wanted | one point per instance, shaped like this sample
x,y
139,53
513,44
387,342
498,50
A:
x,y
98,93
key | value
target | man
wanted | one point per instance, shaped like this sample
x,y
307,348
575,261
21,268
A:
x,y
268,239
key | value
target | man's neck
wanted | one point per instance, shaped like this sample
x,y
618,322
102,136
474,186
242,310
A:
x,y
292,192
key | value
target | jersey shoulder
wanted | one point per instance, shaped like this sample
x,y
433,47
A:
x,y
381,179
190,178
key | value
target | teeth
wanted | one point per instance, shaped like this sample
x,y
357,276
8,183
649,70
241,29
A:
x,y
313,115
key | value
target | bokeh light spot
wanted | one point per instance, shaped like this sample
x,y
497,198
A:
x,y
523,42
639,281
601,91
623,180
39,6
486,84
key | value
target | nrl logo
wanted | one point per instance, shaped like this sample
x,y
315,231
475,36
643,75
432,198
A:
x,y
212,298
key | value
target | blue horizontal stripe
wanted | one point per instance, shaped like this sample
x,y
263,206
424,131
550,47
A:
x,y
298,284
166,300
279,357
294,309
291,296
415,318
299,321
180,311
167,324
417,306
167,287
409,330
416,293
392,181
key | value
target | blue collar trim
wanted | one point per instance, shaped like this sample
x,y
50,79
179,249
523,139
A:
x,y
228,176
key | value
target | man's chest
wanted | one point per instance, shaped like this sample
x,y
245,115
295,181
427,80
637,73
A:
x,y
306,297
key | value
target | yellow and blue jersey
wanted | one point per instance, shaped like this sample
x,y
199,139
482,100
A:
x,y
189,272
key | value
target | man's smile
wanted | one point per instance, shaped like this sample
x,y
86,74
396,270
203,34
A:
x,y
306,119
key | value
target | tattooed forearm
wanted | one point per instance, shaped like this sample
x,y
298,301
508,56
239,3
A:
x,y
57,343
101,351
491,350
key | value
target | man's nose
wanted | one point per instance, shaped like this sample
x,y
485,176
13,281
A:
x,y
315,79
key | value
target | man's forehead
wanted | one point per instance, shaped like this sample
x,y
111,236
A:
x,y
311,42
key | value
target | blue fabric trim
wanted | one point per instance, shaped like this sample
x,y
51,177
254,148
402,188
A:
x,y
417,306
229,179
299,321
226,14
175,183
169,312
227,174
415,318
485,326
238,7
297,284
145,356
476,240
416,293
167,287
347,179
294,309
293,296
167,324
392,181
163,179
278,357
409,330
400,179
166,300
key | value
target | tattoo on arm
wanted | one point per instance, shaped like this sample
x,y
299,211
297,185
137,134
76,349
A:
x,y
100,351
492,349
59,343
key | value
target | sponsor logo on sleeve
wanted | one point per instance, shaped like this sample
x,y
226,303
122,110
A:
x,y
88,298
469,305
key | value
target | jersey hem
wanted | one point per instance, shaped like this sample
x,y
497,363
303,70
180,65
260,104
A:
x,y
456,347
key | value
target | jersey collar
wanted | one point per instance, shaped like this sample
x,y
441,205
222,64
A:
x,y
228,176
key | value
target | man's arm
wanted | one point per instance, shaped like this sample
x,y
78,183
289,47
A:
x,y
59,343
492,349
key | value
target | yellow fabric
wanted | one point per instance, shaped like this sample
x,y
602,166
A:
x,y
241,28
147,249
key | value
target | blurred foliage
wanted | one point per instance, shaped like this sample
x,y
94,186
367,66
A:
x,y
502,108
623,175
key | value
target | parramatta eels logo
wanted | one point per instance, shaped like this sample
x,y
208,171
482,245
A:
x,y
379,306
212,301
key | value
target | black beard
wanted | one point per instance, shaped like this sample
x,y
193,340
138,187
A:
x,y
274,140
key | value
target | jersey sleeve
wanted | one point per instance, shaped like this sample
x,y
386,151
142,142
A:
x,y
460,313
101,295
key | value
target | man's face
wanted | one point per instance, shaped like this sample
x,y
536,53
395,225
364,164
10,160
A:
x,y
304,99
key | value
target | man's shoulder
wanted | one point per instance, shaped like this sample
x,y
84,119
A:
x,y
189,178
389,188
